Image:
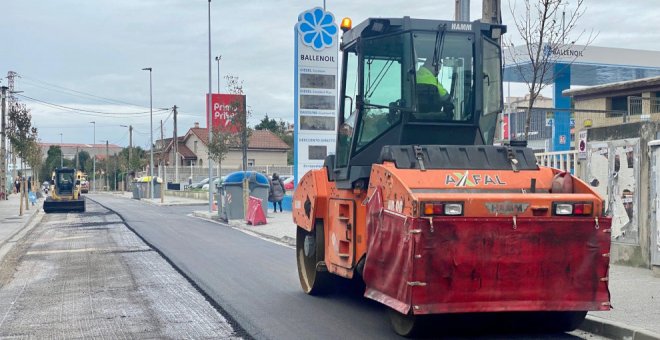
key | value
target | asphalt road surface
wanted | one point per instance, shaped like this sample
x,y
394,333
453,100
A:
x,y
88,276
254,282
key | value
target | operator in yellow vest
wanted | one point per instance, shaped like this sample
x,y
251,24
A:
x,y
428,74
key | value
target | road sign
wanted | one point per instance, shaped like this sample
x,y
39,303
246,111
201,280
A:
x,y
582,144
549,122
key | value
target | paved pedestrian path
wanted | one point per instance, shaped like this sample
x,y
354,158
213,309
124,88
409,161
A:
x,y
12,222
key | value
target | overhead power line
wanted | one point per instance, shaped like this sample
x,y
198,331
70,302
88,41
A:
x,y
81,111
72,92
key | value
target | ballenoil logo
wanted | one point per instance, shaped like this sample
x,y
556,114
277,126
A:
x,y
547,50
317,28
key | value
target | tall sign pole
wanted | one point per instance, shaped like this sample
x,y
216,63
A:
x,y
315,85
209,120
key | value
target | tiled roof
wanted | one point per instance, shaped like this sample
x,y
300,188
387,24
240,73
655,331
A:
x,y
82,146
202,134
259,139
265,139
186,153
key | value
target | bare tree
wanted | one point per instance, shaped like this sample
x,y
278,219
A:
x,y
21,133
242,114
34,158
547,31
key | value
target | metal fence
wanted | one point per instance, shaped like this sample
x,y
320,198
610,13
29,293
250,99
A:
x,y
562,160
644,107
540,128
196,174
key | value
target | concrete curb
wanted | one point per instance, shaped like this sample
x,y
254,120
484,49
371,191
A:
x,y
286,240
158,204
615,330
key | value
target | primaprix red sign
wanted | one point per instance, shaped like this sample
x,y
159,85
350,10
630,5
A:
x,y
224,108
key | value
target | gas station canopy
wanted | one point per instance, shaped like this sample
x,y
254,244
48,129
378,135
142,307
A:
x,y
579,65
589,65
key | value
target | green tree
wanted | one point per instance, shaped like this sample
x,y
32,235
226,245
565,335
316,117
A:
x,y
34,159
52,161
83,157
268,124
279,128
222,141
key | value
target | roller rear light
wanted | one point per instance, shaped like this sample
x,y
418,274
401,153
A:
x,y
443,208
572,208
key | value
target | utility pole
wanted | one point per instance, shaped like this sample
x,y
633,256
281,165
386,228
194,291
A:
x,y
492,11
94,159
77,159
107,160
11,75
162,148
130,151
462,10
115,171
176,150
3,146
61,152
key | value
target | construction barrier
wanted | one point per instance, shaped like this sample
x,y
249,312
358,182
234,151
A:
x,y
255,215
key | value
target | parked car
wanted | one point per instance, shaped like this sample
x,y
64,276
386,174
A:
x,y
200,184
216,181
288,183
84,187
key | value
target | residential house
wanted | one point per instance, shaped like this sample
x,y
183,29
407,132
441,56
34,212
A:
x,y
264,149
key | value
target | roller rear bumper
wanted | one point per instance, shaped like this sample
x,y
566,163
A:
x,y
461,265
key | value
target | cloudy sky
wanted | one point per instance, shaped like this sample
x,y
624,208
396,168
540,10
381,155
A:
x,y
88,55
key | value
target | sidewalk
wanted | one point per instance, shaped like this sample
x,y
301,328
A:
x,y
11,223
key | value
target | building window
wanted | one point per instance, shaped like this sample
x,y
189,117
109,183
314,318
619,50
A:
x,y
250,162
620,103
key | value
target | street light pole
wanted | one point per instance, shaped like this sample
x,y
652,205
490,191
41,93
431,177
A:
x,y
217,58
94,159
151,128
210,121
61,152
